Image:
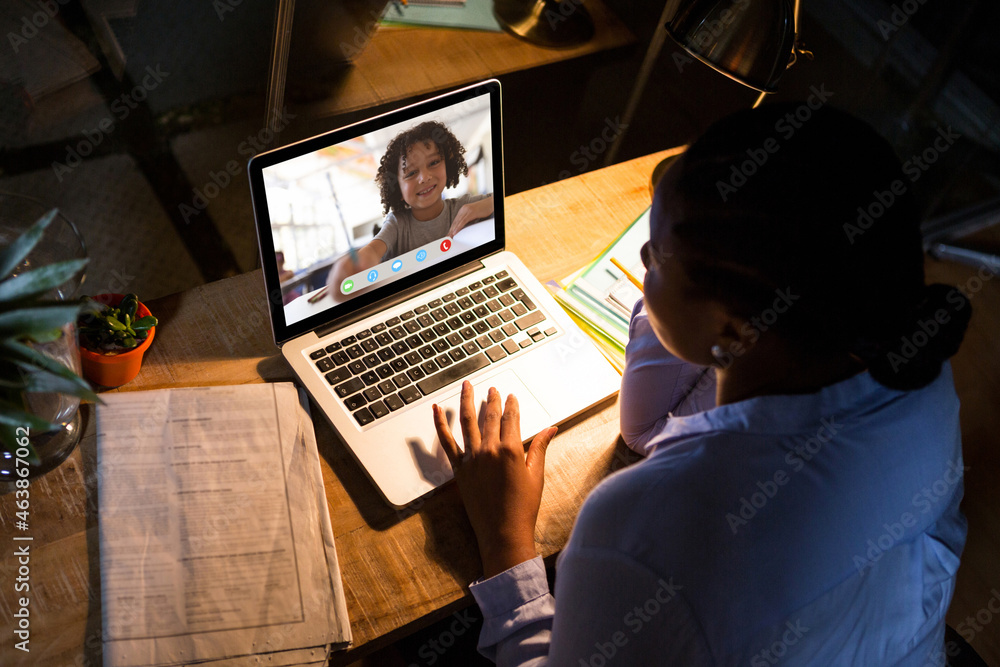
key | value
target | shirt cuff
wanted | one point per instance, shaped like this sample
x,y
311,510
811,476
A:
x,y
501,594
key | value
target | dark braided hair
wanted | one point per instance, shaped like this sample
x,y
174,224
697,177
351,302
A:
x,y
451,150
760,207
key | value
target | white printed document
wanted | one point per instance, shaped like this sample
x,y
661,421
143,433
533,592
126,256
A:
x,y
215,538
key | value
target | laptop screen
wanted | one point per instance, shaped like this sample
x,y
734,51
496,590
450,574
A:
x,y
353,216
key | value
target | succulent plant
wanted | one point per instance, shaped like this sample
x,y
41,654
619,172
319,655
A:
x,y
111,328
27,316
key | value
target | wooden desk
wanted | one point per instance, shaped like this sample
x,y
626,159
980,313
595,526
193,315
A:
x,y
401,569
403,62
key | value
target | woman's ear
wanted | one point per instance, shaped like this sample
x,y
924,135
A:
x,y
736,337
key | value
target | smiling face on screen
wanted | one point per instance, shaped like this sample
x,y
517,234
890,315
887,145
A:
x,y
422,178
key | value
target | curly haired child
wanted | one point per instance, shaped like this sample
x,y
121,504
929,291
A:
x,y
417,166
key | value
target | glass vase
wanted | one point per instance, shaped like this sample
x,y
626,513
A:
x,y
60,242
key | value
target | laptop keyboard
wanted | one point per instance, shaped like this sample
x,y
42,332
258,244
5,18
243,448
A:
x,y
383,368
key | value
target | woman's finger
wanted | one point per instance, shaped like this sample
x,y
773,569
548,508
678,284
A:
x,y
491,421
510,423
535,460
467,418
448,443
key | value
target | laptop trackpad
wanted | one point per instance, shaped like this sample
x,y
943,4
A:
x,y
533,418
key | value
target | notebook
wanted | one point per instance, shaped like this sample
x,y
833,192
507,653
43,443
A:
x,y
385,340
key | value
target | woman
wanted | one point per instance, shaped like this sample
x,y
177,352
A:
x,y
811,515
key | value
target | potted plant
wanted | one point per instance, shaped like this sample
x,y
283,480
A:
x,y
39,392
115,331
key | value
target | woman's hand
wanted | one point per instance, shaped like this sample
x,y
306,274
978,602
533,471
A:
x,y
351,263
500,486
470,213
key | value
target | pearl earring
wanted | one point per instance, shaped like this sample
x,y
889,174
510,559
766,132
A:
x,y
717,352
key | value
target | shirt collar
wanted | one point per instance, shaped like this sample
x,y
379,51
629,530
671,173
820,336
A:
x,y
782,414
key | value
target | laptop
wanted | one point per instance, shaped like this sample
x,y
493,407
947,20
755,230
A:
x,y
377,348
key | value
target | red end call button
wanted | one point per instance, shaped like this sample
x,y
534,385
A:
x,y
446,245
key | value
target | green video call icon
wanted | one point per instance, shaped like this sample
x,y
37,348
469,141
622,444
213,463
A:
x,y
347,286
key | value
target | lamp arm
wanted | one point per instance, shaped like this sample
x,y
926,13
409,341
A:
x,y
797,48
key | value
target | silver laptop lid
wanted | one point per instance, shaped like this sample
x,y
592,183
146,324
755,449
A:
x,y
317,201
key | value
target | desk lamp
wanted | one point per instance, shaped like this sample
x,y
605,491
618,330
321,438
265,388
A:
x,y
750,41
549,23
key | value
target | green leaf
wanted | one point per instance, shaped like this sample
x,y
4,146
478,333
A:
x,y
29,358
15,416
41,382
47,337
12,418
19,249
129,305
145,323
26,322
40,280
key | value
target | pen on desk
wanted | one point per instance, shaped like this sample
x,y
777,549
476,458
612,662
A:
x,y
318,295
628,274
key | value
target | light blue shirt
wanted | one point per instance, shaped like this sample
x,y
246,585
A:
x,y
819,529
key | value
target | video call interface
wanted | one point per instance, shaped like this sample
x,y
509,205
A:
x,y
326,206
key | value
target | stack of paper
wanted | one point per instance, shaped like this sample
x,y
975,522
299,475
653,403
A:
x,y
600,298
215,539
472,14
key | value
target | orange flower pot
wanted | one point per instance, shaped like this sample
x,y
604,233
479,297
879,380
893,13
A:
x,y
117,368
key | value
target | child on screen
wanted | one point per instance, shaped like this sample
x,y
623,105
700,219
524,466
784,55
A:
x,y
418,165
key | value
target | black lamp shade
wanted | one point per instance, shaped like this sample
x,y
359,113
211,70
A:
x,y
747,40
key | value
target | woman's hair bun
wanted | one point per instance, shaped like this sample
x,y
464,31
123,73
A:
x,y
913,358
